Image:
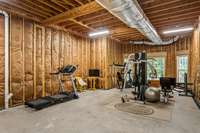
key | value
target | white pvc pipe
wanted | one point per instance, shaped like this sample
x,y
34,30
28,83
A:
x,y
6,46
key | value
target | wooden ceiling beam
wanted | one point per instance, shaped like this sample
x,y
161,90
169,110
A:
x,y
92,20
122,29
32,8
19,13
81,24
76,12
59,4
77,1
159,3
67,30
175,24
126,33
50,5
67,23
44,8
17,6
116,25
174,17
100,20
104,21
179,20
182,10
69,3
169,8
75,26
93,15
127,36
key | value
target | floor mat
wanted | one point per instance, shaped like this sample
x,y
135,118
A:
x,y
134,108
161,111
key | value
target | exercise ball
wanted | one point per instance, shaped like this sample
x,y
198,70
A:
x,y
152,94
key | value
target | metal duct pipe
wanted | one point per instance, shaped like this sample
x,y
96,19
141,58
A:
x,y
6,71
152,43
130,12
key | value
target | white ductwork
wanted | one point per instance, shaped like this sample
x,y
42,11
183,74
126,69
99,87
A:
x,y
152,43
7,95
130,12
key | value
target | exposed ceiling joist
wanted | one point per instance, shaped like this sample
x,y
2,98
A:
x,y
79,2
80,23
46,8
50,5
82,16
76,12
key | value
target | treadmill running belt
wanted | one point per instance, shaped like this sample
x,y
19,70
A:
x,y
61,97
39,103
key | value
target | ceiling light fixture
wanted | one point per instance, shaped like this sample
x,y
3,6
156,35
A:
x,y
178,30
98,33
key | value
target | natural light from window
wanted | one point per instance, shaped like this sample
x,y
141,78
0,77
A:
x,y
159,64
182,67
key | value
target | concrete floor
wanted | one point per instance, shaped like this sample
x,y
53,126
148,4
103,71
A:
x,y
94,113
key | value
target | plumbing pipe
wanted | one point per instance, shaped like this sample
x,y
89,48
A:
x,y
7,95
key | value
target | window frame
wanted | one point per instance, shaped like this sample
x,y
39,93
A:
x,y
181,53
159,55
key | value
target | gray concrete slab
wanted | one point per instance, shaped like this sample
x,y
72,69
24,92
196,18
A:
x,y
94,113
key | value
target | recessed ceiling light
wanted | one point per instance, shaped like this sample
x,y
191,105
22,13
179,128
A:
x,y
178,30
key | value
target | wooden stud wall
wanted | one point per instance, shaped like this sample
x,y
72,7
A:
x,y
37,51
195,62
114,55
1,62
171,51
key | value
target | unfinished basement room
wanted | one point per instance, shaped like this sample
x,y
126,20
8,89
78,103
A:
x,y
100,66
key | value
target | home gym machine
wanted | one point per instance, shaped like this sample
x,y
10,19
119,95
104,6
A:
x,y
167,86
139,60
62,96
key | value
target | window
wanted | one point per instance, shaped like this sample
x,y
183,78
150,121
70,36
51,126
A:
x,y
182,67
159,65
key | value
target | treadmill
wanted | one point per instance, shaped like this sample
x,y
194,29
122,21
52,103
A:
x,y
62,96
